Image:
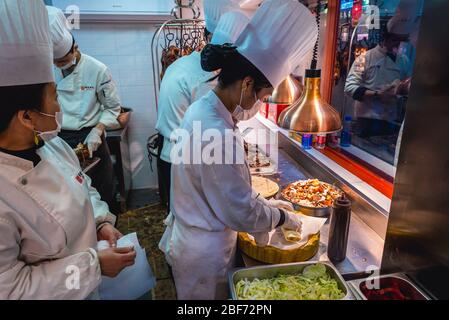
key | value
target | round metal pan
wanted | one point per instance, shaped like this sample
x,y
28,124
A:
x,y
311,211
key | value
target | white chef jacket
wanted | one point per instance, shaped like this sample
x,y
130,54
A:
x,y
48,218
184,82
375,71
210,204
88,95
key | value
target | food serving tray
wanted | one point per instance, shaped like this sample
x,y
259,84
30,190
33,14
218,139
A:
x,y
265,272
354,286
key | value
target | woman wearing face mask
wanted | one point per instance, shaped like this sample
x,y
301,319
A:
x,y
50,216
89,99
212,197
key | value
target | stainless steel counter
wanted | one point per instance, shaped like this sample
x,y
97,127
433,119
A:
x,y
365,246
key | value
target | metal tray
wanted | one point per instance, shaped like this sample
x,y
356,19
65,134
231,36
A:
x,y
354,285
264,272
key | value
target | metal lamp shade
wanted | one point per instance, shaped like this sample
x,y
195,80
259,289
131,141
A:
x,y
311,114
287,92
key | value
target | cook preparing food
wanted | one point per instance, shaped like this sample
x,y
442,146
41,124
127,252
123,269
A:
x,y
264,193
212,201
185,82
89,99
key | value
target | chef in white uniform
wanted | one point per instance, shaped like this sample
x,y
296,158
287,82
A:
x,y
50,216
374,80
185,82
213,200
89,99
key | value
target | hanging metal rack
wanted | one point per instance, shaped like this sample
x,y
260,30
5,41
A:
x,y
173,39
176,38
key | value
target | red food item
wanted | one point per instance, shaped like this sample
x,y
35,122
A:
x,y
391,288
169,55
187,50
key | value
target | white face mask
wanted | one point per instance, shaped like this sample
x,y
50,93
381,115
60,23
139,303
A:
x,y
241,114
48,135
69,65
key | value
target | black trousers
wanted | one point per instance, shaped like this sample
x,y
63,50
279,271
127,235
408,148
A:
x,y
103,174
164,175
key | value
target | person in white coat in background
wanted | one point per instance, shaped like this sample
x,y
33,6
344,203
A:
x,y
185,82
50,216
212,199
374,80
89,99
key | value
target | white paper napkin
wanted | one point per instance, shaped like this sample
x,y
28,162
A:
x,y
310,226
134,281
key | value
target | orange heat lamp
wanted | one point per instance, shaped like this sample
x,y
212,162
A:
x,y
311,114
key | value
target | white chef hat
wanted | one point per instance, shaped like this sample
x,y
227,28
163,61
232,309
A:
x,y
214,9
400,26
60,32
249,4
278,37
406,17
410,7
229,27
26,55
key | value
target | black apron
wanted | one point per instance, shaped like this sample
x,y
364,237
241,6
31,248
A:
x,y
164,174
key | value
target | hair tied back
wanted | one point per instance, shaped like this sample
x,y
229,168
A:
x,y
215,57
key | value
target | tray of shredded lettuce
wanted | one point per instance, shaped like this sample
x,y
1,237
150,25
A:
x,y
314,283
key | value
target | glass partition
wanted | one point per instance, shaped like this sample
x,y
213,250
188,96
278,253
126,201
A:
x,y
376,46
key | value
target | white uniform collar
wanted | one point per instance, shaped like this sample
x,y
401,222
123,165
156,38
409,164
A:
x,y
77,67
24,166
13,161
80,62
381,49
221,109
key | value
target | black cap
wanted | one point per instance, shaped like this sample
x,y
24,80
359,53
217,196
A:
x,y
313,73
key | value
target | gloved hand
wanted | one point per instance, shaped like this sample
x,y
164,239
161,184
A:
x,y
261,238
93,140
280,204
292,222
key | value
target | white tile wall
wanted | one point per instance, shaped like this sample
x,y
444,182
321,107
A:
x,y
125,49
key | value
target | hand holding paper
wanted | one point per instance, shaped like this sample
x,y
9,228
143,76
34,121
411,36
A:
x,y
133,281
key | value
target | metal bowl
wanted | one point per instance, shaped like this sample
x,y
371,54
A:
x,y
312,211
405,285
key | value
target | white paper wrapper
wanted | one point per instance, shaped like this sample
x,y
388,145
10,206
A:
x,y
310,226
134,281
